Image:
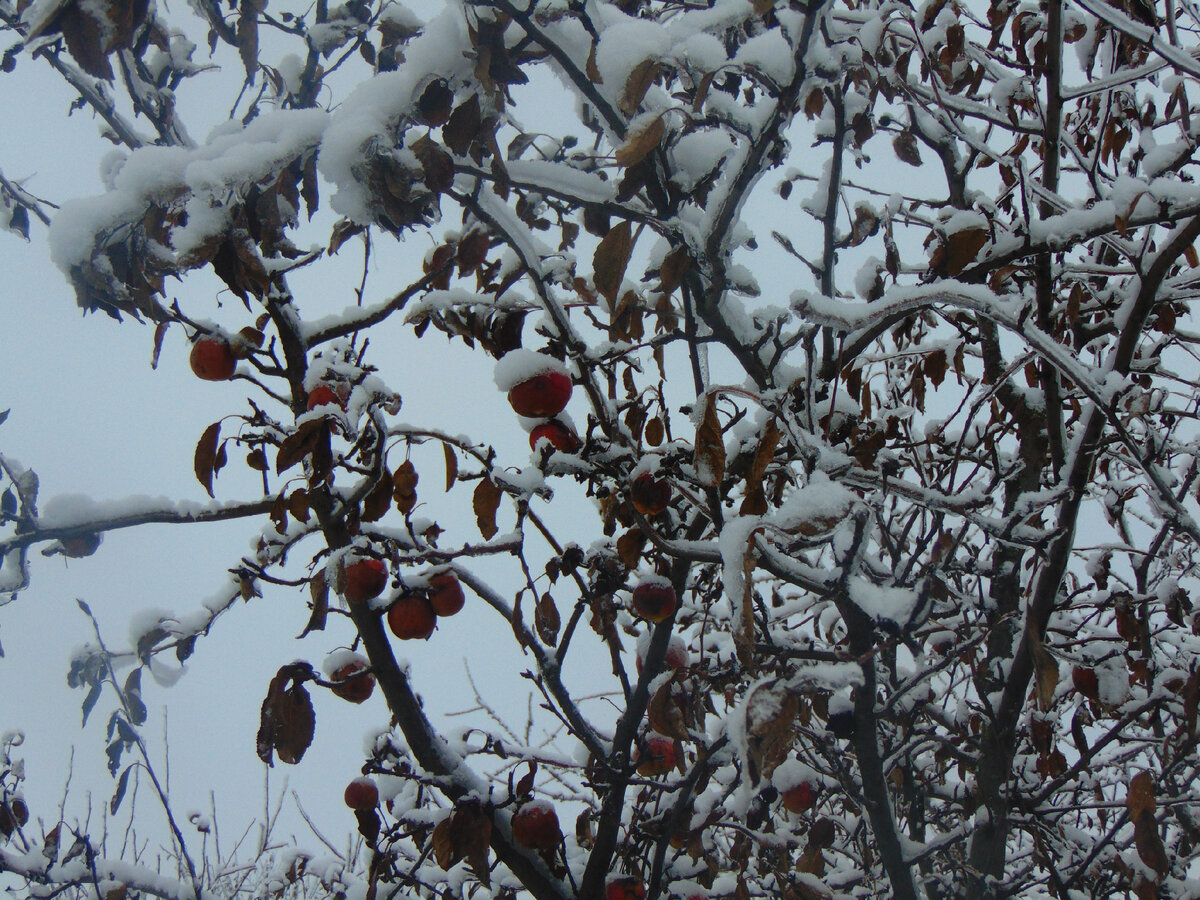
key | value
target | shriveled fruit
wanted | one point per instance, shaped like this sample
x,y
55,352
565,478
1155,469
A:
x,y
445,594
649,495
412,618
212,359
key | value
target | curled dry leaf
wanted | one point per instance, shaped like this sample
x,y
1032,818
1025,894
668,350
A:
x,y
287,720
611,259
465,834
485,502
710,446
771,711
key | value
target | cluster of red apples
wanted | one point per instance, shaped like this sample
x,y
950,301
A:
x,y
544,396
414,615
215,359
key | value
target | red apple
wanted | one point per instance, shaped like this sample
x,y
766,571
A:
x,y
654,599
559,435
324,395
535,825
412,618
676,658
354,689
362,794
800,798
212,359
541,396
623,887
657,757
445,594
80,546
363,579
1085,681
649,495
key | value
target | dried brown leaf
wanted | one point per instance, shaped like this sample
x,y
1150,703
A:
x,y
710,446
611,259
485,502
636,85
205,456
641,144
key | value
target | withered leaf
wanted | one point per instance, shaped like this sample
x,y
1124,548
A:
x,y
1149,843
771,711
343,230
640,145
905,146
710,446
247,37
463,126
664,715
630,546
465,834
451,465
611,259
309,189
1045,671
433,107
935,366
546,619
485,502
404,487
84,42
755,502
653,432
379,500
674,266
206,456
318,589
298,504
300,443
637,84
436,163
1141,795
287,720
958,251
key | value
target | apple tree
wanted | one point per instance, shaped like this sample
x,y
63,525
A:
x,y
852,341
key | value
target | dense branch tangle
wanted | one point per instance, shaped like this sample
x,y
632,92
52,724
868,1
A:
x,y
931,519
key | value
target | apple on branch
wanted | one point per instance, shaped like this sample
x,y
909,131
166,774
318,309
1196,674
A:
x,y
535,825
657,756
363,578
654,599
560,436
538,386
361,794
445,594
412,617
212,359
352,671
